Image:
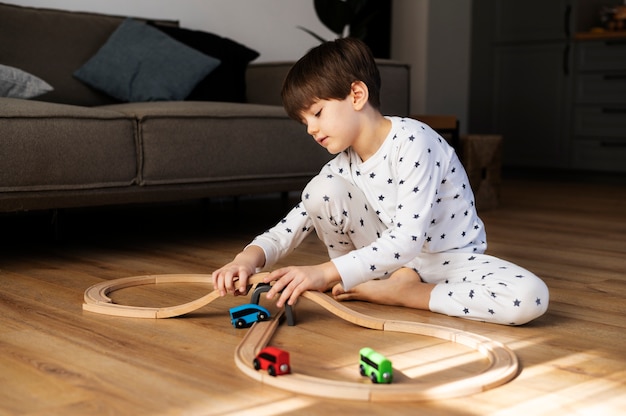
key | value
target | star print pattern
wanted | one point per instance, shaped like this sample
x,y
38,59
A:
x,y
483,287
407,204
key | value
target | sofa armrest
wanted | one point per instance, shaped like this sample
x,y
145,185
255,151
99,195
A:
x,y
264,82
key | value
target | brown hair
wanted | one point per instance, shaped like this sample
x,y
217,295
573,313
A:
x,y
327,72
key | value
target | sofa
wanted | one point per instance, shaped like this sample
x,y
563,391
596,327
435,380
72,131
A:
x,y
73,144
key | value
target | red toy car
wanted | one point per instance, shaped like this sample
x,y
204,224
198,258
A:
x,y
274,360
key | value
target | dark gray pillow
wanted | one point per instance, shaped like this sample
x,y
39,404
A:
x,y
228,81
141,63
16,83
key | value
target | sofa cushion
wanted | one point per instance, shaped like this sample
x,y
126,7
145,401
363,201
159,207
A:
x,y
228,81
49,146
141,63
16,83
208,142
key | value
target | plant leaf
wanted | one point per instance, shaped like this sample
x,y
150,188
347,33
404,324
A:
x,y
315,35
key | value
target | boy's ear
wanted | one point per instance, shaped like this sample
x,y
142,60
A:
x,y
359,93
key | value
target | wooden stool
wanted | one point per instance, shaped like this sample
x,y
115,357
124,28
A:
x,y
482,159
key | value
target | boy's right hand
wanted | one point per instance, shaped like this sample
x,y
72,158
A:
x,y
233,277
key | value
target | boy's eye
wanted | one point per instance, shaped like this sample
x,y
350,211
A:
x,y
318,113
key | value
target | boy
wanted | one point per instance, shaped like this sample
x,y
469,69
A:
x,y
394,208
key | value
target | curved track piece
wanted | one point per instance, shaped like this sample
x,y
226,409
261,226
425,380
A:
x,y
96,298
503,363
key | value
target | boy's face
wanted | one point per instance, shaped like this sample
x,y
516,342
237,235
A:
x,y
332,123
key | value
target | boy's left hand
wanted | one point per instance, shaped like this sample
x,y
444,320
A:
x,y
295,280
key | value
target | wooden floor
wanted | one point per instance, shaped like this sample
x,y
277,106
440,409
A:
x,y
58,360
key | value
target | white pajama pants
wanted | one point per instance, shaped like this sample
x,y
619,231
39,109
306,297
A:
x,y
468,285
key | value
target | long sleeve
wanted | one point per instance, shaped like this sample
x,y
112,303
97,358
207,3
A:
x,y
285,236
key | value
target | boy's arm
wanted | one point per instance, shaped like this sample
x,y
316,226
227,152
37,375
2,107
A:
x,y
264,250
285,236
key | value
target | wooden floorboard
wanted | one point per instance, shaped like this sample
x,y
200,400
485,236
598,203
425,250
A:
x,y
57,359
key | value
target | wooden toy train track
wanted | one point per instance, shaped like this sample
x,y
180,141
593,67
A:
x,y
503,363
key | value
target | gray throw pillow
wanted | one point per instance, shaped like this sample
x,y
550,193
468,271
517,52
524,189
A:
x,y
141,63
15,83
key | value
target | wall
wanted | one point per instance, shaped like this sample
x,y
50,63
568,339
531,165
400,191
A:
x,y
449,44
268,26
409,31
433,36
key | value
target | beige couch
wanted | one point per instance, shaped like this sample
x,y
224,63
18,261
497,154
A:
x,y
77,147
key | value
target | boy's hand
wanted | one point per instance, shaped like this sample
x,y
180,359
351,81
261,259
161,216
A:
x,y
295,280
233,277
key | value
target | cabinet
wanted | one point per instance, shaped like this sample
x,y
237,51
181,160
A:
x,y
531,20
531,103
599,109
558,99
522,86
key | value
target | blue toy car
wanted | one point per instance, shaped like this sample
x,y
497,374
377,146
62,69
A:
x,y
243,316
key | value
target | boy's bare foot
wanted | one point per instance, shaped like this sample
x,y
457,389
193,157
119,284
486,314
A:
x,y
402,288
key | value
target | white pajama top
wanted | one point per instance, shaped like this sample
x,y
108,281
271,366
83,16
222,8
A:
x,y
420,192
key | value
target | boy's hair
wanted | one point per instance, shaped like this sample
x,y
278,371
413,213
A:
x,y
327,72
